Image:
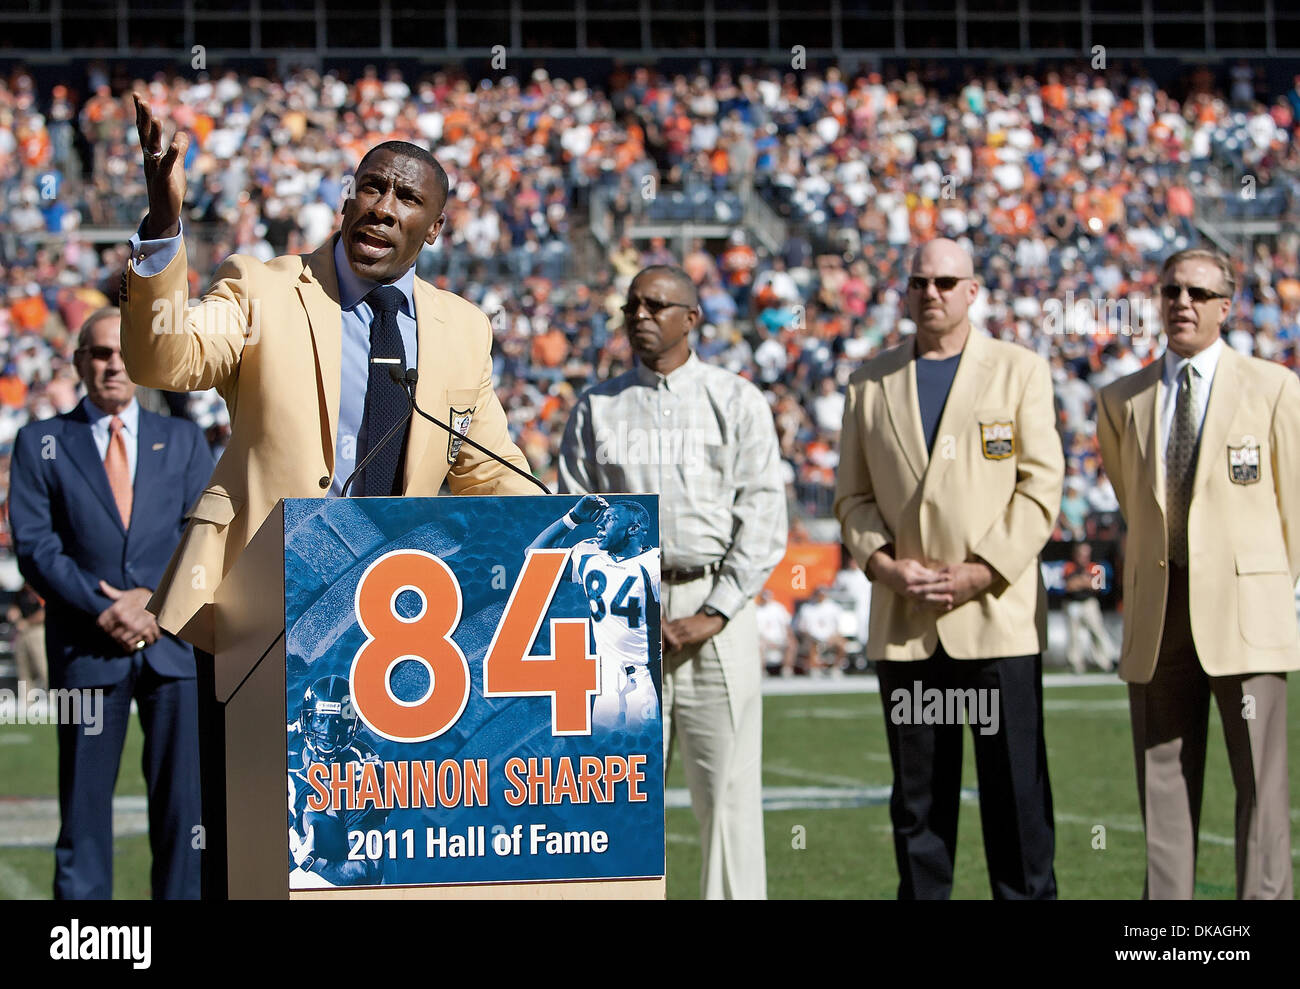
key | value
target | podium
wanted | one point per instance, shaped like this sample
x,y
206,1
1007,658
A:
x,y
419,705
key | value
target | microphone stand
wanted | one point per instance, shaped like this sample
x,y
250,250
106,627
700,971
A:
x,y
410,379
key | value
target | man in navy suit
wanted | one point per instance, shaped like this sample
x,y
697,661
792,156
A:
x,y
97,503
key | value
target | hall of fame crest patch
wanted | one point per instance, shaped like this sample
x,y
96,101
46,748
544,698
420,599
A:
x,y
460,420
1243,464
997,440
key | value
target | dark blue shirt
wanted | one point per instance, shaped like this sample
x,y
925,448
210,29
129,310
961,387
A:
x,y
933,382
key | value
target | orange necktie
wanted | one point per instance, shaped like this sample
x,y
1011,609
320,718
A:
x,y
119,473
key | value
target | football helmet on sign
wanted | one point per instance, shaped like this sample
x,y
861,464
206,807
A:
x,y
328,720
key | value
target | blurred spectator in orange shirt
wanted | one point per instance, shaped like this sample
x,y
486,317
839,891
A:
x,y
13,391
29,310
550,348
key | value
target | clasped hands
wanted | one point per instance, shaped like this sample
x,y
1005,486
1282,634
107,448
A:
x,y
943,589
691,630
126,621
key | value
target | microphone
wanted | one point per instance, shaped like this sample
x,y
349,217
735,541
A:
x,y
396,428
410,379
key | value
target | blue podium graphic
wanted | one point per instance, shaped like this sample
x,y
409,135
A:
x,y
472,690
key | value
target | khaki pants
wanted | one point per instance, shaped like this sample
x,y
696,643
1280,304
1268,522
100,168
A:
x,y
1170,718
1088,638
713,714
29,655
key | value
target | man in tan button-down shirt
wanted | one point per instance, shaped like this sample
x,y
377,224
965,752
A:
x,y
949,484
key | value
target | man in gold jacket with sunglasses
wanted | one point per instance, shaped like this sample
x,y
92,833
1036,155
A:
x,y
1202,447
949,484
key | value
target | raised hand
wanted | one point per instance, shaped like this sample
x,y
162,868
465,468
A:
x,y
588,508
163,178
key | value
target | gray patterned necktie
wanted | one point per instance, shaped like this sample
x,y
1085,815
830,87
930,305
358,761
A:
x,y
1180,465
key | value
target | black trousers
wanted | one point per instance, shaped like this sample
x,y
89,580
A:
x,y
212,778
1011,764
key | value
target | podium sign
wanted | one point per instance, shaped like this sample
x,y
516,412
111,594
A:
x,y
472,690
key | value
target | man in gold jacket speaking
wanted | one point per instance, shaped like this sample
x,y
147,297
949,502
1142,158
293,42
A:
x,y
309,354
287,344
949,484
1203,446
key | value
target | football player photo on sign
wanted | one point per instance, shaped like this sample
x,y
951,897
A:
x,y
327,732
618,570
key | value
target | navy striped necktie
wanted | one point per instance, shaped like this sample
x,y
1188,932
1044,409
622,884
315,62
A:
x,y
386,399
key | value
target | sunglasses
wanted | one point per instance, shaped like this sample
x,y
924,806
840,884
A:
x,y
944,283
1197,294
653,306
99,353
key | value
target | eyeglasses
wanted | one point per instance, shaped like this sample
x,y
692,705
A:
x,y
653,306
99,353
1197,294
944,283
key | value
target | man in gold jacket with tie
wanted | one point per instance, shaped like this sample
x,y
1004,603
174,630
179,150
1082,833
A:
x,y
1202,447
300,349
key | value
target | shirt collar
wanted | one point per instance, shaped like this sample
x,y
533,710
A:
x,y
673,379
130,416
1205,362
353,289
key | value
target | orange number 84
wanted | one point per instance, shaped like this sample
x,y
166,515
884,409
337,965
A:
x,y
426,638
570,676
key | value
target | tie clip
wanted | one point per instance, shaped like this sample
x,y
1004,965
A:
x,y
385,360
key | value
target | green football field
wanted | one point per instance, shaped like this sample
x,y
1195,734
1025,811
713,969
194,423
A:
x,y
826,782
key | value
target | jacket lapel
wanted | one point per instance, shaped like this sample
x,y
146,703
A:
x,y
1145,405
318,287
146,458
899,386
959,409
85,456
429,326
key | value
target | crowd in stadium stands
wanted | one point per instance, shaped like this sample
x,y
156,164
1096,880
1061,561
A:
x,y
1069,187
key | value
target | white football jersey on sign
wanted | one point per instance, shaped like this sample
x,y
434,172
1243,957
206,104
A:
x,y
620,594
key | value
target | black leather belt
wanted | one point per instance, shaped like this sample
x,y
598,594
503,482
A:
x,y
686,574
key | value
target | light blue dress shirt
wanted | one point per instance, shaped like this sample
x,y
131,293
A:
x,y
152,256
101,431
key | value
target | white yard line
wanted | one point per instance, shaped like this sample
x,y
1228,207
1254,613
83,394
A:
x,y
1209,837
778,798
795,772
1119,705
872,713
34,822
15,886
868,684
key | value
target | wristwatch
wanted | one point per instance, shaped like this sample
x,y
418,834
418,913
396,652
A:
x,y
307,863
713,612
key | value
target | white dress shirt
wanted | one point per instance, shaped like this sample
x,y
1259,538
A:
x,y
703,440
1203,367
100,423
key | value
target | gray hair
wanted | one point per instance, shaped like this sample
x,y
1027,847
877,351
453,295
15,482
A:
x,y
98,316
1204,254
